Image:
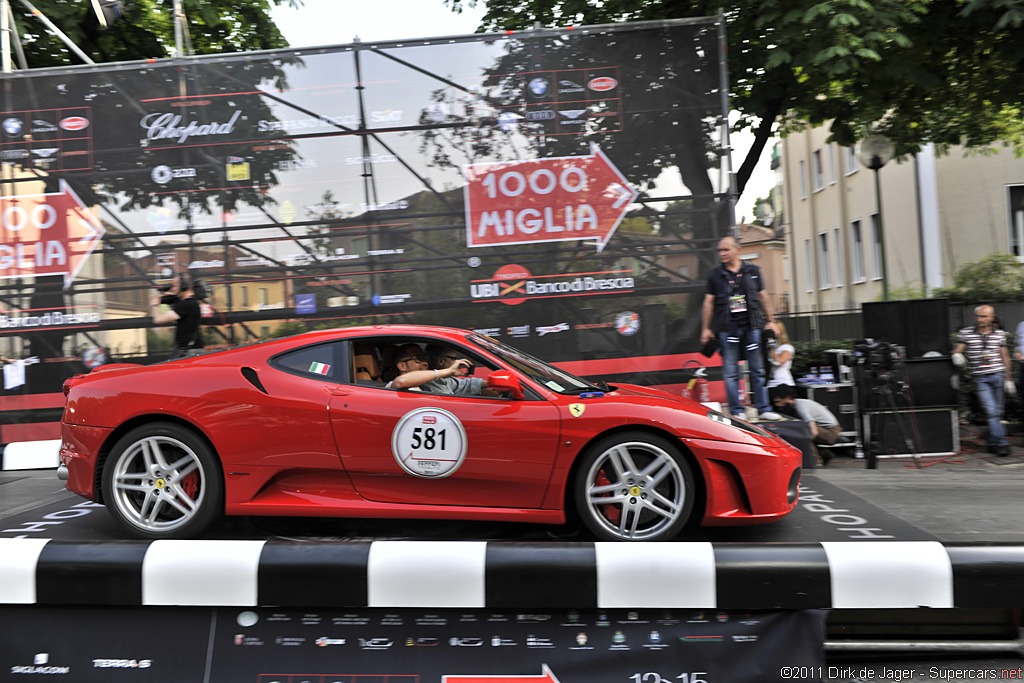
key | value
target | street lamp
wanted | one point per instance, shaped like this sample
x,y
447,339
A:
x,y
874,152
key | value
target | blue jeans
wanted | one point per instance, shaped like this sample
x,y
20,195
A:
x,y
750,340
989,389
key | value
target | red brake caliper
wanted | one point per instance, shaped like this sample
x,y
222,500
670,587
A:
x,y
613,513
190,484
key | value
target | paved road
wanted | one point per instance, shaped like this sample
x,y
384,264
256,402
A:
x,y
964,499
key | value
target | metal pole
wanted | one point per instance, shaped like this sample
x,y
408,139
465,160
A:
x,y
178,34
5,35
925,646
18,49
881,236
723,86
60,34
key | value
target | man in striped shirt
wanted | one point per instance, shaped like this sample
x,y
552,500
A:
x,y
989,363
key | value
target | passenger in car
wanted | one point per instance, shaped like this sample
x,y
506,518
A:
x,y
442,358
416,374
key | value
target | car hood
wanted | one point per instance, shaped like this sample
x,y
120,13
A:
x,y
662,408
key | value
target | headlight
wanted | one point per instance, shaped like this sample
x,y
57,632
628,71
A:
x,y
730,421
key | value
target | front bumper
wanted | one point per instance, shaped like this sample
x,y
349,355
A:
x,y
747,484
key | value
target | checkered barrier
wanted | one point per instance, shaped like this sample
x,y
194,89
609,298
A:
x,y
478,574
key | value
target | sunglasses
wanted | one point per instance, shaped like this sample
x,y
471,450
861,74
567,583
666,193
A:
x,y
418,359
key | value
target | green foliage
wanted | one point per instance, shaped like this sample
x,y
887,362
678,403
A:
x,y
996,277
912,290
920,71
215,26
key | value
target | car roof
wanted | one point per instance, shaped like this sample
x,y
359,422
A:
x,y
380,331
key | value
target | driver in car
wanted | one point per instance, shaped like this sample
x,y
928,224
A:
x,y
434,371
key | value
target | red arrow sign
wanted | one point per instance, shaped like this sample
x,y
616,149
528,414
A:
x,y
46,234
545,200
547,676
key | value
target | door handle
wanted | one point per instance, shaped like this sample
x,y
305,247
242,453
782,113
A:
x,y
338,390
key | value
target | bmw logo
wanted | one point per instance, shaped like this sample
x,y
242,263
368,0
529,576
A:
x,y
538,87
13,127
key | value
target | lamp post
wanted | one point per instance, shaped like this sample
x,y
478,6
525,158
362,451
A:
x,y
874,152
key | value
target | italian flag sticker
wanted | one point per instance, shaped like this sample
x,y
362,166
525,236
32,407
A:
x,y
320,368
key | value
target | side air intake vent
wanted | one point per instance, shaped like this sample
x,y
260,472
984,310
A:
x,y
253,379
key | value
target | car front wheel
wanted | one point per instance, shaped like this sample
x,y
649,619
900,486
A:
x,y
162,481
634,487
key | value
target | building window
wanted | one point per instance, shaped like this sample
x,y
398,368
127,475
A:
x,y
244,297
803,179
808,264
824,270
1016,199
264,331
838,245
857,255
831,164
852,164
876,242
264,296
817,170
785,267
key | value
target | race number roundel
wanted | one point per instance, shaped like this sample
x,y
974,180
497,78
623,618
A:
x,y
429,443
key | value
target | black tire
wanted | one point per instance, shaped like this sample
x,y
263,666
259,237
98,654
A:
x,y
162,480
634,486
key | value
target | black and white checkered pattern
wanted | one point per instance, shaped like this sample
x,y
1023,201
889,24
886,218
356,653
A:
x,y
478,574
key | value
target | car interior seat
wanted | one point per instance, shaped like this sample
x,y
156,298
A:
x,y
390,371
365,364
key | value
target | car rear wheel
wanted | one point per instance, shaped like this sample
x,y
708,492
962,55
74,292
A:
x,y
634,487
162,481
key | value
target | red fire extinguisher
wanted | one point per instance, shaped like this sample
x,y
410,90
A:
x,y
696,389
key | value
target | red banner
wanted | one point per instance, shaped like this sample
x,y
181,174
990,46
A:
x,y
46,234
545,200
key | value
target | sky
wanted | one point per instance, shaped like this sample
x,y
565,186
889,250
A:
x,y
334,22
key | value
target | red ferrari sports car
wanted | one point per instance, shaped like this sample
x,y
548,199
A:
x,y
308,426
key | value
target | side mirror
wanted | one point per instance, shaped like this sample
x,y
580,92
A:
x,y
505,381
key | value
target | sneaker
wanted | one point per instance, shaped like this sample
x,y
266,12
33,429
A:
x,y
740,416
1003,451
770,416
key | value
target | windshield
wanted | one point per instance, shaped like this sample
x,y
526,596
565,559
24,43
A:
x,y
537,370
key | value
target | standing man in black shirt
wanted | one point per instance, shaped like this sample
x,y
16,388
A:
x,y
735,294
185,311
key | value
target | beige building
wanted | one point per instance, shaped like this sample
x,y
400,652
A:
x,y
937,214
767,250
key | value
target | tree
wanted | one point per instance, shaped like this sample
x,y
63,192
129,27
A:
x,y
919,71
147,32
994,278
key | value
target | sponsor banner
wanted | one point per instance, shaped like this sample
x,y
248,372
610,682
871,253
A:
x,y
305,303
53,139
48,319
406,646
513,284
569,102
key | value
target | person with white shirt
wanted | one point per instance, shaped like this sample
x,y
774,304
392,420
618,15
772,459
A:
x,y
781,359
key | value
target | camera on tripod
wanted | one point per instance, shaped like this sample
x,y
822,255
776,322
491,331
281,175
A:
x,y
877,355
